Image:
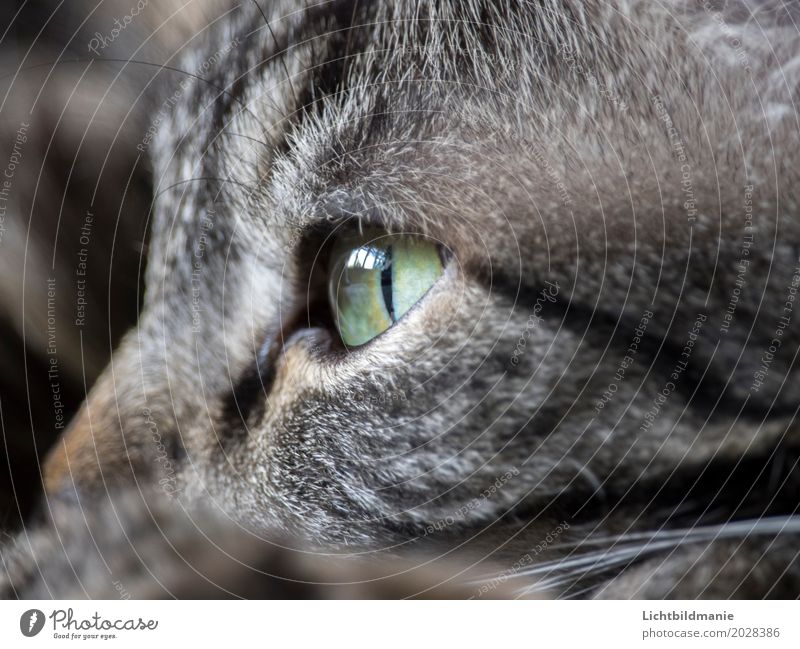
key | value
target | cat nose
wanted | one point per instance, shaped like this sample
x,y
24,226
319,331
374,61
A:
x,y
68,453
92,452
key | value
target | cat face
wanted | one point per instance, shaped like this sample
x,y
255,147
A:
x,y
592,187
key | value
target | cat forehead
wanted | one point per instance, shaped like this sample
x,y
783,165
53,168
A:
x,y
304,119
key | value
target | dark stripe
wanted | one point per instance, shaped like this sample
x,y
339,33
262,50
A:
x,y
341,20
713,492
704,385
247,399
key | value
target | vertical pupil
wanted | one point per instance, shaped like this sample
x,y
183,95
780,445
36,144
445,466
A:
x,y
386,282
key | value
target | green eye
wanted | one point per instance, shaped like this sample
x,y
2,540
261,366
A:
x,y
375,279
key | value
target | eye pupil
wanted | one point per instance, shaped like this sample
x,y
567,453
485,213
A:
x,y
386,283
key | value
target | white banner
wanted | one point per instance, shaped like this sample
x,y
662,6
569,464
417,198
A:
x,y
388,624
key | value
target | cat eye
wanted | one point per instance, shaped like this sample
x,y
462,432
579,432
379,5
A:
x,y
375,278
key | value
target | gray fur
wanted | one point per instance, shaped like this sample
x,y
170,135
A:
x,y
600,148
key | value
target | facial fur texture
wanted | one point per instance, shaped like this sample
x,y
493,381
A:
x,y
608,360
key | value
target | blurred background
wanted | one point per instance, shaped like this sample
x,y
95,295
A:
x,y
75,84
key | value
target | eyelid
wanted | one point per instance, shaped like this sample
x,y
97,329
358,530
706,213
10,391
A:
x,y
341,209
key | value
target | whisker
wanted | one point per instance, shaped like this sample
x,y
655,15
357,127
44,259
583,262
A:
x,y
789,523
206,179
283,60
622,550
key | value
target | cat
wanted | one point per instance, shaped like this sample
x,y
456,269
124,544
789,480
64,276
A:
x,y
592,397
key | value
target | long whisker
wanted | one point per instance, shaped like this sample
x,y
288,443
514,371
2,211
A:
x,y
625,549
